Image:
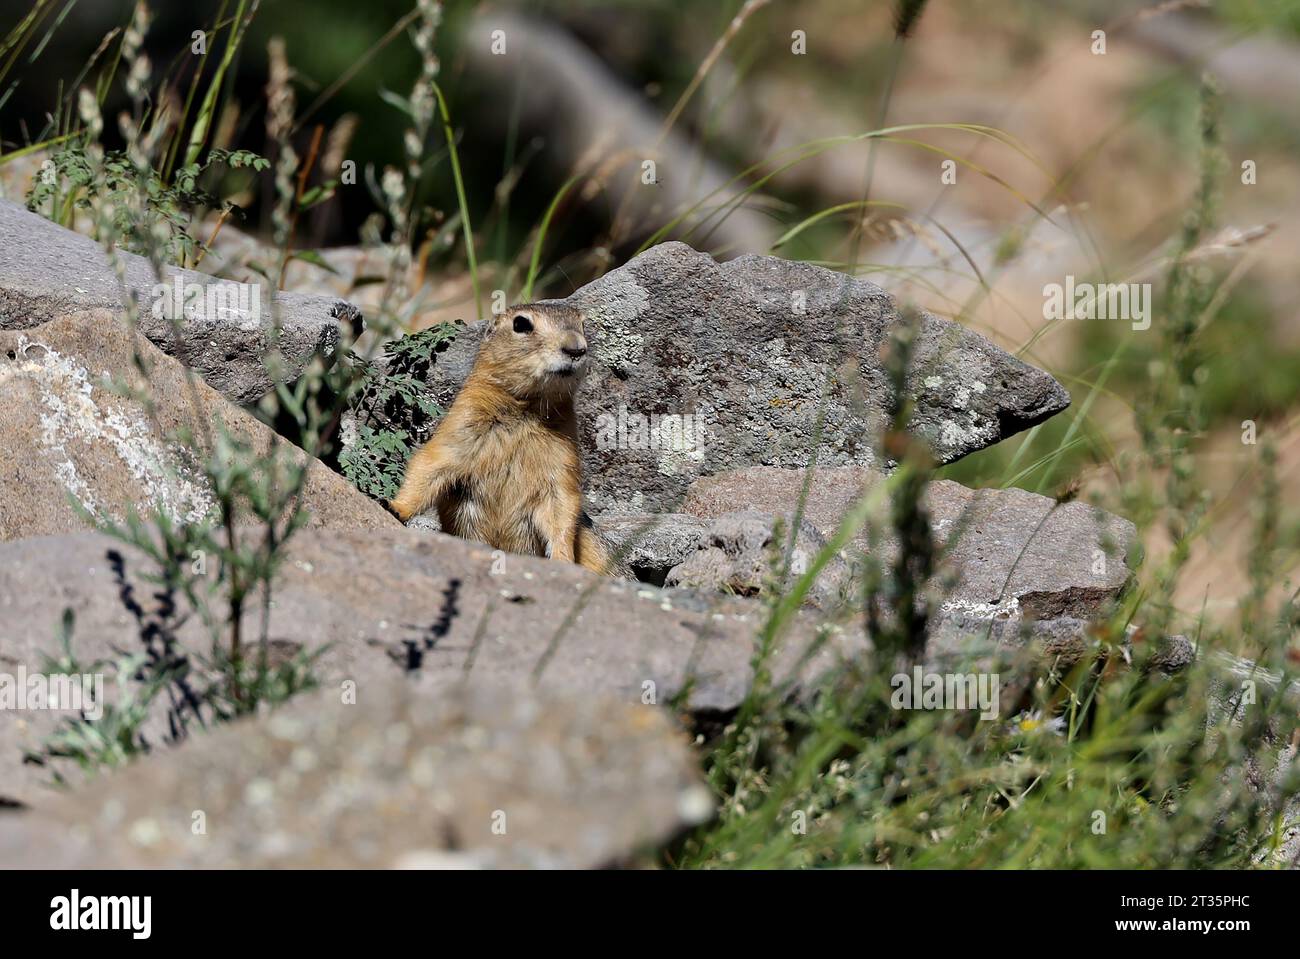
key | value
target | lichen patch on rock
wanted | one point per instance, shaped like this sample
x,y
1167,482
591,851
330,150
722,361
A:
x,y
77,415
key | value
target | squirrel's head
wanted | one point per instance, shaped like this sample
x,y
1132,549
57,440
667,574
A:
x,y
537,349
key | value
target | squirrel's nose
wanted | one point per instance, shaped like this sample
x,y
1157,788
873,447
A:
x,y
576,349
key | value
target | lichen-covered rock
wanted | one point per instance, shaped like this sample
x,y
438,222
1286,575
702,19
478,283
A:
x,y
700,367
48,272
1010,554
70,437
475,778
1020,554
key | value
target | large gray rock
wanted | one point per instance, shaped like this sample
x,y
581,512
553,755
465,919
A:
x,y
48,272
473,778
750,345
70,438
1010,554
388,603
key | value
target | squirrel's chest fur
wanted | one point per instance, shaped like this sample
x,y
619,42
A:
x,y
510,467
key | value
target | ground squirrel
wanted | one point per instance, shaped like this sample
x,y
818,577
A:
x,y
502,466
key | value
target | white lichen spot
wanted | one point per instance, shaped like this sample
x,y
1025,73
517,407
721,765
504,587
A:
x,y
934,382
613,504
1008,608
951,435
776,353
303,759
681,445
622,300
287,728
621,350
347,431
435,859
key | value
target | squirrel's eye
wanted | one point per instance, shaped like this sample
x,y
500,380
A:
x,y
523,324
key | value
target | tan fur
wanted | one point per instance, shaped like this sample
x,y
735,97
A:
x,y
502,466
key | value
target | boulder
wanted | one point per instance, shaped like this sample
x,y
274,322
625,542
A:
x,y
745,351
381,604
1010,554
48,272
1016,553
474,778
70,437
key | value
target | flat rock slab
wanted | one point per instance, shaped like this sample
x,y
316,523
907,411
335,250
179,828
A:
x,y
69,435
48,272
475,778
1021,553
750,346
393,603
1016,555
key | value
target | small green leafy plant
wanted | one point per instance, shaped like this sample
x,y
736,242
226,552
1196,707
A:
x,y
393,411
164,218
